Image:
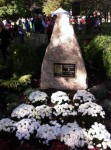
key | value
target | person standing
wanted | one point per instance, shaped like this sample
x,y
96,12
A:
x,y
15,27
5,38
8,24
21,32
27,27
40,28
50,22
98,24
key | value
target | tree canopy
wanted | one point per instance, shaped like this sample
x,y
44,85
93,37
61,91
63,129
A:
x,y
18,7
24,7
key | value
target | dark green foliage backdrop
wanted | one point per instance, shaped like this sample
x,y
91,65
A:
x,y
98,55
24,60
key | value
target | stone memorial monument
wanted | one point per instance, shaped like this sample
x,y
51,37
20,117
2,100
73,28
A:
x,y
63,66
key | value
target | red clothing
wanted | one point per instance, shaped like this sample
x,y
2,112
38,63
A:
x,y
83,21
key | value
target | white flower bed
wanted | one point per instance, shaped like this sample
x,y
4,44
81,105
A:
x,y
83,96
91,109
59,98
22,111
25,128
38,96
48,132
72,135
98,131
64,110
42,111
6,125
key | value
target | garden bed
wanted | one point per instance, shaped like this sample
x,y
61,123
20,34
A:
x,y
39,121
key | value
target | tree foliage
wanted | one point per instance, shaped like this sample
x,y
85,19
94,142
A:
x,y
20,7
24,7
89,6
50,6
7,9
1,3
66,4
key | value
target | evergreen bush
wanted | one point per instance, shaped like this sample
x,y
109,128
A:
x,y
17,83
98,55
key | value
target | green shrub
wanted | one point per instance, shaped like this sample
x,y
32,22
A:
x,y
24,60
16,82
98,55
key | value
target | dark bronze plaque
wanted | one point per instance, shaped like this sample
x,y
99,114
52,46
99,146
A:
x,y
64,70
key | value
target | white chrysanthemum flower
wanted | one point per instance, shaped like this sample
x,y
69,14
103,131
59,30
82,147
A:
x,y
64,110
38,96
48,133
59,98
54,123
91,109
7,125
84,96
22,111
42,111
25,128
99,132
72,135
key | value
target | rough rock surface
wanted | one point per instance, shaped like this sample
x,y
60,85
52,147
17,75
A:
x,y
64,49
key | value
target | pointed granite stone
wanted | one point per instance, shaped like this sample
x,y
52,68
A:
x,y
63,52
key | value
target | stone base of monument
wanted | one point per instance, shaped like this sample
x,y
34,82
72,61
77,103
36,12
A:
x,y
63,66
74,80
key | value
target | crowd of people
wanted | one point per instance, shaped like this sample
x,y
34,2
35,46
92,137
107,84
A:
x,y
90,23
38,24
